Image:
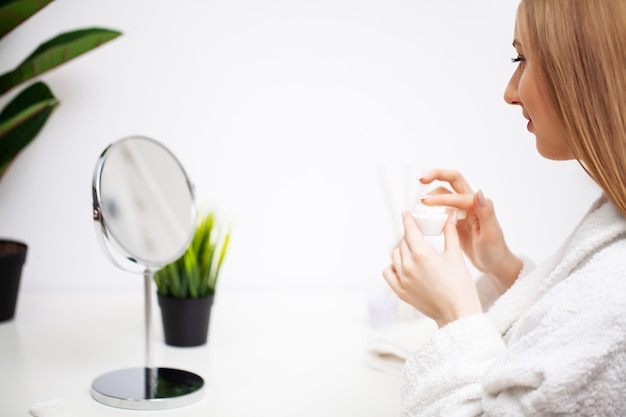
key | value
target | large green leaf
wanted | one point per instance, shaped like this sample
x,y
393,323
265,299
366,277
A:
x,y
14,12
55,52
22,119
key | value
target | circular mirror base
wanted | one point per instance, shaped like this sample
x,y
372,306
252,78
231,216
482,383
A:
x,y
147,388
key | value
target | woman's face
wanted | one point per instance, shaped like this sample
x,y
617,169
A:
x,y
523,90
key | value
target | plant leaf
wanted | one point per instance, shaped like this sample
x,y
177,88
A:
x,y
176,281
14,12
205,251
199,266
168,280
191,270
55,52
22,119
220,260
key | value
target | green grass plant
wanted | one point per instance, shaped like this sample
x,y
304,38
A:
x,y
195,273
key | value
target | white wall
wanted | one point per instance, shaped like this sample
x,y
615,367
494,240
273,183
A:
x,y
284,113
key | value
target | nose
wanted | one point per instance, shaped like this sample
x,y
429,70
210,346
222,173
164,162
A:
x,y
511,95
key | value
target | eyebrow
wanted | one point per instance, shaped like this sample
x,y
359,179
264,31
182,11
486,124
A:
x,y
516,43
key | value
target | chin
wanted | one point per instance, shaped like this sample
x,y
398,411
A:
x,y
555,153
555,156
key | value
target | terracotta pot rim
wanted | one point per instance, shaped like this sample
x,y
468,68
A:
x,y
9,247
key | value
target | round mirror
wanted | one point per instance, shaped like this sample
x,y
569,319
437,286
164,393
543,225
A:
x,y
144,209
143,201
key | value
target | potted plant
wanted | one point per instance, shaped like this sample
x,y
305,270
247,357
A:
x,y
186,287
25,115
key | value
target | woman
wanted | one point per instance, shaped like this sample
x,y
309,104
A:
x,y
522,340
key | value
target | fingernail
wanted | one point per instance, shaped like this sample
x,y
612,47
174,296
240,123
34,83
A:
x,y
426,197
481,198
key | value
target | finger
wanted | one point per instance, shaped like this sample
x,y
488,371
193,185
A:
x,y
463,202
392,279
452,177
451,235
396,258
405,254
483,208
413,237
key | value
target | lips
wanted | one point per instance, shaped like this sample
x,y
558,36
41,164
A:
x,y
529,126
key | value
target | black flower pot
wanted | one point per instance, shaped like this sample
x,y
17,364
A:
x,y
185,320
12,258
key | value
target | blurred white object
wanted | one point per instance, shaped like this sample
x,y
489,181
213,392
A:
x,y
430,219
54,408
382,310
390,348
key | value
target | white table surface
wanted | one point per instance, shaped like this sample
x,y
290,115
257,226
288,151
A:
x,y
268,354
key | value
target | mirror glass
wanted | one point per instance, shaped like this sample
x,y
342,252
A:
x,y
144,200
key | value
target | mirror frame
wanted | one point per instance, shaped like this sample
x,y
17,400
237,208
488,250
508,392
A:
x,y
107,237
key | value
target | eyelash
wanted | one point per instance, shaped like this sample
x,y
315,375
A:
x,y
518,59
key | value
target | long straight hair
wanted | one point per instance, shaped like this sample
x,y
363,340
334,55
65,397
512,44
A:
x,y
578,48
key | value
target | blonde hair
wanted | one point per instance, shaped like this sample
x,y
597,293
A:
x,y
578,51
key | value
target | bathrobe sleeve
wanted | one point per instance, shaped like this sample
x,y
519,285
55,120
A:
x,y
566,355
443,377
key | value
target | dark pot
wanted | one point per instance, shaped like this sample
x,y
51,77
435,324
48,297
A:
x,y
185,320
12,258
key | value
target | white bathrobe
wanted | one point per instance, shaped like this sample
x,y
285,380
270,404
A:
x,y
553,345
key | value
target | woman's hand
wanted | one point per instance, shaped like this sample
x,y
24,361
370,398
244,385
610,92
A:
x,y
480,234
437,284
